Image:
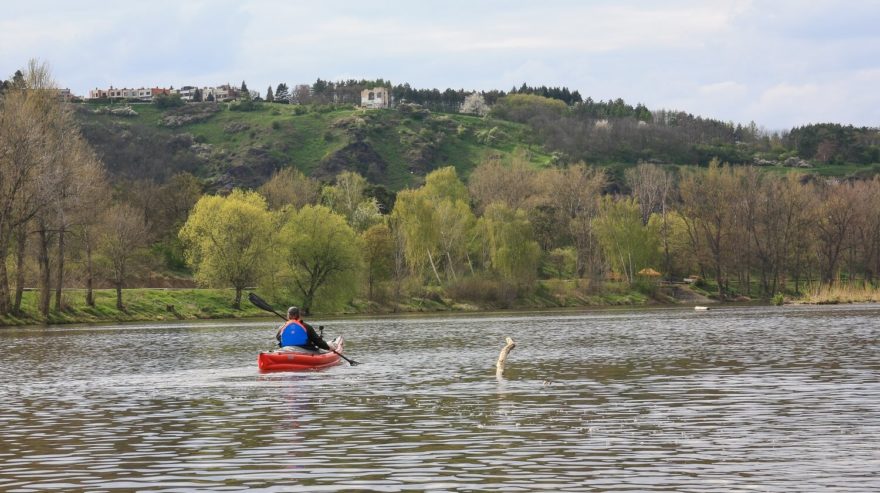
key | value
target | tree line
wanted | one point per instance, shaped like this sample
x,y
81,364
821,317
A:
x,y
490,235
617,131
62,222
490,238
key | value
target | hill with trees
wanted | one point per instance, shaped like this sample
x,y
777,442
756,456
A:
x,y
535,197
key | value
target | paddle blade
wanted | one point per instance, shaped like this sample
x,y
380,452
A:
x,y
259,302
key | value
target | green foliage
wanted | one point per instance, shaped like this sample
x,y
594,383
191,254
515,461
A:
x,y
378,256
165,101
227,240
444,184
244,104
484,290
833,143
560,263
524,107
321,257
778,299
628,245
141,304
437,222
513,252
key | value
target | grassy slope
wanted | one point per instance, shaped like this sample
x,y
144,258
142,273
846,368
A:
x,y
140,304
195,304
306,137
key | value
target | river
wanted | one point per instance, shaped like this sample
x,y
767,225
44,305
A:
x,y
731,399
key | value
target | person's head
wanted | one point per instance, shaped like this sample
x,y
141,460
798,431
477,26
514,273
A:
x,y
292,313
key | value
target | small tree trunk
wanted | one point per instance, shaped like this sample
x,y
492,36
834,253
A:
x,y
60,279
45,273
19,269
237,302
119,305
90,276
4,280
434,268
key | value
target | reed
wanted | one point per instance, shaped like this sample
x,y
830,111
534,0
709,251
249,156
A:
x,y
842,293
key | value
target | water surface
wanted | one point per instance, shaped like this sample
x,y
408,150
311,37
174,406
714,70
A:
x,y
734,399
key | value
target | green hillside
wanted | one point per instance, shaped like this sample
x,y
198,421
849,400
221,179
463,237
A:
x,y
226,148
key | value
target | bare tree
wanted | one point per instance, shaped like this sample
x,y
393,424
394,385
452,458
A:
x,y
836,221
868,227
651,186
290,187
706,198
512,183
27,148
574,193
124,235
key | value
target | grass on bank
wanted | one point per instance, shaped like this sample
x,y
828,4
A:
x,y
144,304
140,305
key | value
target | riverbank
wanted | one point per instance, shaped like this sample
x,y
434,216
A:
x,y
168,304
163,304
140,305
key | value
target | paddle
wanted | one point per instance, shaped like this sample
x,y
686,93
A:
x,y
261,304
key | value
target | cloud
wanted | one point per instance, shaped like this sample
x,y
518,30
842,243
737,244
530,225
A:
x,y
775,62
822,102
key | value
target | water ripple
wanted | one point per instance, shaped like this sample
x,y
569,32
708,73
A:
x,y
774,399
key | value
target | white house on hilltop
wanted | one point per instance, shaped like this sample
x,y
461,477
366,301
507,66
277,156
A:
x,y
377,97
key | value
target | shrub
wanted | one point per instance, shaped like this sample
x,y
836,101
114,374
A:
x,y
168,101
484,291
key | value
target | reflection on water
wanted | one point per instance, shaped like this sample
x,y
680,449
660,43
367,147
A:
x,y
774,399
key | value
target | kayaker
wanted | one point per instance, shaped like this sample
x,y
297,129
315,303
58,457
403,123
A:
x,y
296,332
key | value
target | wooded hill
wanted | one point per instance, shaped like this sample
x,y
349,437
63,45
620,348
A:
x,y
396,148
393,148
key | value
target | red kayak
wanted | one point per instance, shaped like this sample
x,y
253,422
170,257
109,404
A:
x,y
294,358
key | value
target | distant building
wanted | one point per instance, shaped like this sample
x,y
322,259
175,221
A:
x,y
187,92
63,94
223,92
377,97
142,93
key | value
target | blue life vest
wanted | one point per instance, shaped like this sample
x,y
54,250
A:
x,y
294,334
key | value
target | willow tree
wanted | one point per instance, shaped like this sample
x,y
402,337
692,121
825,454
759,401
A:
x,y
322,255
437,223
513,252
227,240
628,244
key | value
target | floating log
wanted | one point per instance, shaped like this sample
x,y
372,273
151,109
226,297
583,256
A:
x,y
499,366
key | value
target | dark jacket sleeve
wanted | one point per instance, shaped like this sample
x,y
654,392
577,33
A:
x,y
314,338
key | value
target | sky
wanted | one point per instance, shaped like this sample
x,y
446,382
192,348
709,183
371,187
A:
x,y
779,63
